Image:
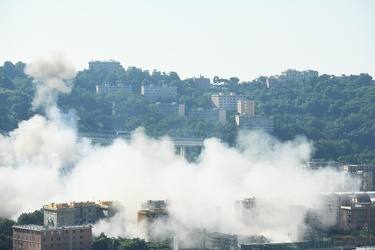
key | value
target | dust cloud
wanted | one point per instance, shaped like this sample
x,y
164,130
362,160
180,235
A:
x,y
44,161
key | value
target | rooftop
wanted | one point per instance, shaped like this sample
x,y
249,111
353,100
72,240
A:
x,y
48,227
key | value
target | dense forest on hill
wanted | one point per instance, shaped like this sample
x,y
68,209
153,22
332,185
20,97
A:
x,y
336,113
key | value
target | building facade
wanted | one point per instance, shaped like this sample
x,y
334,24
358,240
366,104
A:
x,y
171,109
226,101
155,92
212,115
202,82
79,213
35,237
106,88
108,66
245,107
255,122
296,76
365,173
359,212
316,164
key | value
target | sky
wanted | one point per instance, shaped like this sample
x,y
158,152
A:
x,y
241,38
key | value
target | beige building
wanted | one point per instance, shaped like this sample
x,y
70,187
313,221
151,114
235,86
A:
x,y
79,213
35,237
150,218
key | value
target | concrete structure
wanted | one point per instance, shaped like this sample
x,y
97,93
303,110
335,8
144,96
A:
x,y
359,212
152,213
35,237
79,213
212,114
108,66
202,82
296,76
226,101
255,122
366,174
171,109
291,75
316,164
106,88
245,107
155,92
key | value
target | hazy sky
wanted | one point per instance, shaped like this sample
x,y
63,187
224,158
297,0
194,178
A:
x,y
224,38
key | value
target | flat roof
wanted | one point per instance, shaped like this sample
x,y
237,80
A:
x,y
46,228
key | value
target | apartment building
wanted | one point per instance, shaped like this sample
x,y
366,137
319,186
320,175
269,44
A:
x,y
245,107
106,88
226,101
291,75
171,109
154,92
365,174
212,114
255,122
296,76
108,66
35,237
79,213
359,212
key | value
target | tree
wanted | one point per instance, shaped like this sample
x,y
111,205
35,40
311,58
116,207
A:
x,y
132,244
234,80
6,227
36,218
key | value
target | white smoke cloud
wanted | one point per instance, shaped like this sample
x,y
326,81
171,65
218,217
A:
x,y
44,161
51,76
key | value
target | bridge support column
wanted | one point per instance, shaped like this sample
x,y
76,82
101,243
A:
x,y
183,151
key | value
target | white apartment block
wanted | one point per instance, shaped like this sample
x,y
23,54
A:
x,y
106,88
155,92
226,101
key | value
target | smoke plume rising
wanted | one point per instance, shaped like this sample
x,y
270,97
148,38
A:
x,y
44,161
